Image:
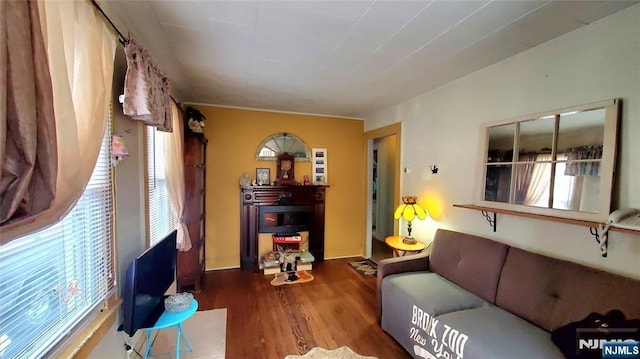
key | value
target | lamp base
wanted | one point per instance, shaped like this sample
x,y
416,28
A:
x,y
409,240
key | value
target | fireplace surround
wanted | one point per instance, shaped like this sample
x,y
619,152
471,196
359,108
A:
x,y
277,209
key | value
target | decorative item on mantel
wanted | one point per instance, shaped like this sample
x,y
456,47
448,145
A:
x,y
285,170
195,120
263,176
409,210
245,181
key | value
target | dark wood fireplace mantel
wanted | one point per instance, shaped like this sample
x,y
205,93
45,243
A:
x,y
252,198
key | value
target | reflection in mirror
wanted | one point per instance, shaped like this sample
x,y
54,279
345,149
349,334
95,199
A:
x,y
576,192
281,143
533,182
564,161
581,129
501,143
536,136
498,183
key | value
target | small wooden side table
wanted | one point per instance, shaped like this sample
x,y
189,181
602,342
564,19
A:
x,y
402,249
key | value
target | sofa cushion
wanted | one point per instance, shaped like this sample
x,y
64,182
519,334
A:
x,y
490,332
411,300
551,292
472,262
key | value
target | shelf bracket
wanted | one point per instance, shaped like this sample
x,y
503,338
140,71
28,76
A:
x,y
492,221
594,233
602,241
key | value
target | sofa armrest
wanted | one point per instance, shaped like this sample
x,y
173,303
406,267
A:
x,y
412,263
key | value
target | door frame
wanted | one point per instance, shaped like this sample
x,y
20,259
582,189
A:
x,y
369,137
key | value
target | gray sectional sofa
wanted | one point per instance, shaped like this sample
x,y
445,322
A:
x,y
472,297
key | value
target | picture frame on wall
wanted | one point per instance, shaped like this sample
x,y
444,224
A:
x,y
319,166
263,176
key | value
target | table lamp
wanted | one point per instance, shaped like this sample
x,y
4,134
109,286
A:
x,y
409,210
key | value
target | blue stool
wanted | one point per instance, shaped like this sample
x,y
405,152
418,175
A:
x,y
168,320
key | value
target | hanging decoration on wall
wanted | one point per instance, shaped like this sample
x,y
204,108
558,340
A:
x,y
319,166
118,149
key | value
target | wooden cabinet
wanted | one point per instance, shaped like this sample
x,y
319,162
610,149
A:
x,y
191,263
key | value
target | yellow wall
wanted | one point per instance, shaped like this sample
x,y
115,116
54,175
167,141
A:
x,y
234,136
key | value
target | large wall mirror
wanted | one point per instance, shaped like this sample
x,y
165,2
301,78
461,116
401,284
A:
x,y
557,163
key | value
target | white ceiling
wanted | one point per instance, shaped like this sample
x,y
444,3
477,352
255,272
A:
x,y
340,58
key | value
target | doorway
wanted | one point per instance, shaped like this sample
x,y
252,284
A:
x,y
383,178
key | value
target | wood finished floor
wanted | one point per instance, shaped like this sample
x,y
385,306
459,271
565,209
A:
x,y
337,308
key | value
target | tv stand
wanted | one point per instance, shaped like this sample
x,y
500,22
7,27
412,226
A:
x,y
280,199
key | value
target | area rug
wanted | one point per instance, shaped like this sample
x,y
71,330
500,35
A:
x,y
365,267
321,353
205,330
301,276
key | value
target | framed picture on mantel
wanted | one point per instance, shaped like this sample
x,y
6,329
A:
x,y
319,166
263,176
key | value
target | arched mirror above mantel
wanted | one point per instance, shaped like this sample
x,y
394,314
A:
x,y
558,163
281,143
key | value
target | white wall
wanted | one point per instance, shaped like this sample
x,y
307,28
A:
x,y
597,62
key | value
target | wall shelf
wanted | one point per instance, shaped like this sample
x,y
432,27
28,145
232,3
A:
x,y
577,222
595,228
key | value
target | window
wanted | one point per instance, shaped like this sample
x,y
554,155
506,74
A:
x,y
558,163
161,218
51,279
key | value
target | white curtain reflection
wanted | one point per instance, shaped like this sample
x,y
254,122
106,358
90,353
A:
x,y
538,187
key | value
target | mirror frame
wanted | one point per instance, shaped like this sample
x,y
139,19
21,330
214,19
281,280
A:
x,y
607,164
275,136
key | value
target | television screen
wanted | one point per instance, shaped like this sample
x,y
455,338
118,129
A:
x,y
147,280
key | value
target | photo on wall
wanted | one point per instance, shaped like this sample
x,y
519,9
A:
x,y
319,162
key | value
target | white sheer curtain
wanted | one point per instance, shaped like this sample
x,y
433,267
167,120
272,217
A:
x,y
174,173
81,49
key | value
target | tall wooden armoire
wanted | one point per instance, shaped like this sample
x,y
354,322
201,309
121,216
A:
x,y
191,264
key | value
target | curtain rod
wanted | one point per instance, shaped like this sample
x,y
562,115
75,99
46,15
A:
x,y
122,39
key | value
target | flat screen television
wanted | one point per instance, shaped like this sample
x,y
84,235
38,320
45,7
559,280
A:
x,y
147,280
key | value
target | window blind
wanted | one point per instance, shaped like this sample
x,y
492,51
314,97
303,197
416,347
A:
x,y
161,218
51,279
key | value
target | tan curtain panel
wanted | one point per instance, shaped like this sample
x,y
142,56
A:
x,y
147,95
28,152
174,173
81,49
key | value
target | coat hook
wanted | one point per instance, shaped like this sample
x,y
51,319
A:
x,y
434,169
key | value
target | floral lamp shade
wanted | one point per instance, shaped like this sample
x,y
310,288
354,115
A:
x,y
409,210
